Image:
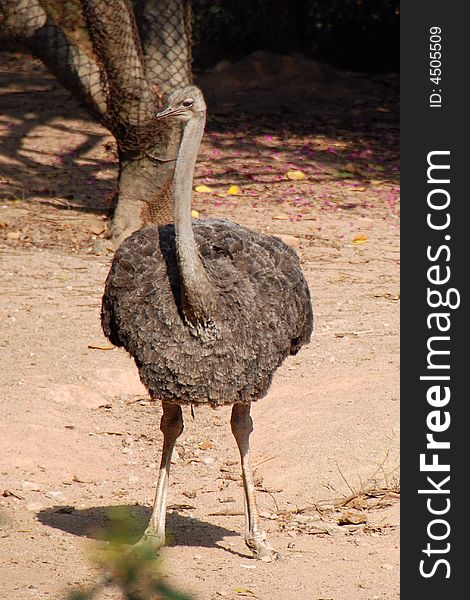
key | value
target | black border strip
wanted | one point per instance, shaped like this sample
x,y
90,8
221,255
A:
x,y
434,129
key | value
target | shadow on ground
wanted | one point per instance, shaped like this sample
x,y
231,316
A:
x,y
67,172
98,523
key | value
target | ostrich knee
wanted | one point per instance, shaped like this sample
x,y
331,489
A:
x,y
242,426
171,424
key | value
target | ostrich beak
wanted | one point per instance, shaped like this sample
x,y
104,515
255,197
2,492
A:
x,y
168,111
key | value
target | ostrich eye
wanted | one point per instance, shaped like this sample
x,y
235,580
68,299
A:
x,y
188,103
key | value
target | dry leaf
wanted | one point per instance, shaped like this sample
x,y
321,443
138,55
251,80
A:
x,y
97,229
352,518
295,175
360,239
290,240
357,502
101,346
190,494
194,214
8,493
281,217
206,445
203,189
234,190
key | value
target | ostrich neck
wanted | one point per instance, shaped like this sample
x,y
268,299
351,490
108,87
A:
x,y
196,287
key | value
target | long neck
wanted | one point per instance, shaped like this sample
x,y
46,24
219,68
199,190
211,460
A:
x,y
197,290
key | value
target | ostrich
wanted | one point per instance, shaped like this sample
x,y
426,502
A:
x,y
208,310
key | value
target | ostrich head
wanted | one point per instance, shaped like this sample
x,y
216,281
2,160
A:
x,y
184,104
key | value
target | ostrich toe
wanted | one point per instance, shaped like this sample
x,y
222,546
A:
x,y
151,539
262,549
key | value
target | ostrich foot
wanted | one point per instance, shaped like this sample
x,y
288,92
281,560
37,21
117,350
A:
x,y
151,539
262,549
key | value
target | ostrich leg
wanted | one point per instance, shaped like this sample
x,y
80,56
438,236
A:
x,y
172,427
242,426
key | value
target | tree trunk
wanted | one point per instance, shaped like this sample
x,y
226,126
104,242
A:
x,y
145,186
147,148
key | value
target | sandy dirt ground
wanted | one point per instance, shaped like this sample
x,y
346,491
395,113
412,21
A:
x,y
78,434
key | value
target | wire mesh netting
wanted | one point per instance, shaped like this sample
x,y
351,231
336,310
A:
x,y
165,31
142,54
138,52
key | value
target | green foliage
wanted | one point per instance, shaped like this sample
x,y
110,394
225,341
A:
x,y
135,571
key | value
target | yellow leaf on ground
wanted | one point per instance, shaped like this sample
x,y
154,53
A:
x,y
281,217
295,175
234,190
194,213
360,239
245,592
203,188
101,347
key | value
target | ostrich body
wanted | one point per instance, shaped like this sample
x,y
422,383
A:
x,y
209,310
